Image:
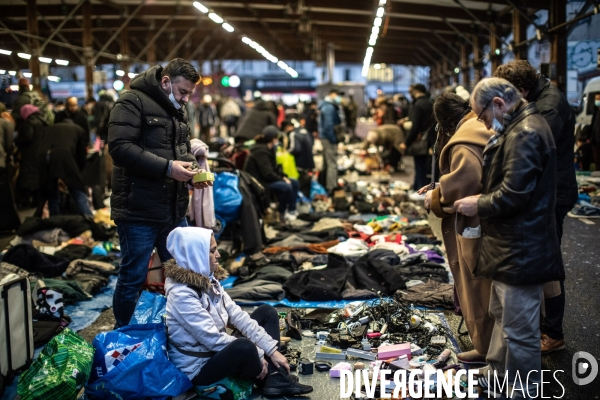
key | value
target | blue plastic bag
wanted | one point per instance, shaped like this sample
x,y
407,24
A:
x,y
131,363
150,309
316,188
227,196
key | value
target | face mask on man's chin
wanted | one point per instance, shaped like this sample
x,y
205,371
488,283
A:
x,y
172,98
597,103
497,126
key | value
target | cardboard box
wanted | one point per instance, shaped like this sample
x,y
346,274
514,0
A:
x,y
394,351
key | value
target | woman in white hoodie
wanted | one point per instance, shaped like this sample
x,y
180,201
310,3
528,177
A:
x,y
199,310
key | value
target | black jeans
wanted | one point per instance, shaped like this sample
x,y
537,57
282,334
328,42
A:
x,y
241,356
420,172
552,324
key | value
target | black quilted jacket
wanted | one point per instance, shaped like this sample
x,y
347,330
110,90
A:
x,y
145,131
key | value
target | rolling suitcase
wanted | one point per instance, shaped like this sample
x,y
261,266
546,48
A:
x,y
16,331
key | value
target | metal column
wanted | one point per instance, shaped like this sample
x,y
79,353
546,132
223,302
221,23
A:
x,y
496,59
88,51
125,60
558,47
330,62
519,29
34,45
464,63
476,60
151,53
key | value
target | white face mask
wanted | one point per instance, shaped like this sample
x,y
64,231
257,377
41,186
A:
x,y
597,103
172,98
497,126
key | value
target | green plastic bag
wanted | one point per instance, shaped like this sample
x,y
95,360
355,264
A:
x,y
61,370
238,388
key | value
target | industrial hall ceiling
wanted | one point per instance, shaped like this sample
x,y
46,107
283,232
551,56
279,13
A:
x,y
412,32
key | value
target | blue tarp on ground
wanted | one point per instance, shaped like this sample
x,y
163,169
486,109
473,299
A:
x,y
84,313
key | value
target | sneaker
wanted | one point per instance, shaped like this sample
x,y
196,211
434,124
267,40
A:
x,y
290,216
282,384
471,357
549,345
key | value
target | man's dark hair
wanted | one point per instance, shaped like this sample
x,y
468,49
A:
x,y
334,90
285,124
519,72
179,67
419,87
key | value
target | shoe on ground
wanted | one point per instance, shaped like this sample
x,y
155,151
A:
x,y
471,357
282,384
290,216
549,345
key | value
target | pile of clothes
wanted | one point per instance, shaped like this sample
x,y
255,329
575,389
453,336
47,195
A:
x,y
588,204
67,259
333,255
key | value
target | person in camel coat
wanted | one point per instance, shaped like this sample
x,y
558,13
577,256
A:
x,y
461,166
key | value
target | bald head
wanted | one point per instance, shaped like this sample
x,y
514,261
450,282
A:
x,y
72,104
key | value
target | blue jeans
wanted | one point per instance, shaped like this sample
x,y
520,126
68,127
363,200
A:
x,y
137,239
287,194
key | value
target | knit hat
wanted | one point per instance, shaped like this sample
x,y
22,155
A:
x,y
27,110
23,82
270,132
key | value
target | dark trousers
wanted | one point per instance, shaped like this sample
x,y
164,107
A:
x,y
287,194
393,158
137,240
420,172
241,356
596,153
552,324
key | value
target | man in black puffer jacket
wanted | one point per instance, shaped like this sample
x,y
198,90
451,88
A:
x,y
519,245
555,109
149,141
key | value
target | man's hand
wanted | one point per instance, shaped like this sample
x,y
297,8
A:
x,y
402,147
280,361
467,206
265,369
180,172
202,185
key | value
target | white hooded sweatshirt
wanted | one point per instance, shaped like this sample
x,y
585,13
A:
x,y
198,308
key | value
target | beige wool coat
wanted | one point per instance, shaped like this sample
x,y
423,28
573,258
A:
x,y
461,167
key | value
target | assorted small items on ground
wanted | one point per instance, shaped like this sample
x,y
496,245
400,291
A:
x,y
358,270
588,205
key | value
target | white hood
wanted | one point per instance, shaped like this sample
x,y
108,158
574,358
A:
x,y
190,246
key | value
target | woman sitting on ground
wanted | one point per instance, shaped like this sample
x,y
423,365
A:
x,y
461,140
199,310
261,165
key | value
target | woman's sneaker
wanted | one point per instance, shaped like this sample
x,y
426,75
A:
x,y
282,384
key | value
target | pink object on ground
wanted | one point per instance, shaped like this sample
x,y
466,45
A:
x,y
394,351
337,369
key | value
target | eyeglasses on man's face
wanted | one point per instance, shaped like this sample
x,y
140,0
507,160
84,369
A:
x,y
483,111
